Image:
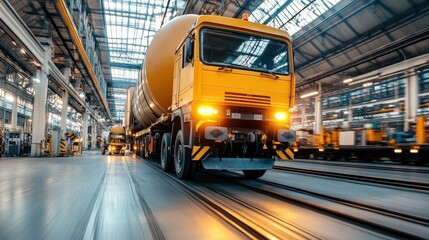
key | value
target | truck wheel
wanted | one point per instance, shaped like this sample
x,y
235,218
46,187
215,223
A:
x,y
166,162
253,174
185,168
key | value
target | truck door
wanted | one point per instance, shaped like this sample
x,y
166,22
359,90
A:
x,y
185,94
176,82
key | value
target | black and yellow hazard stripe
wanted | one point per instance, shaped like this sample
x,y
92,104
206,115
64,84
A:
x,y
63,147
200,152
286,154
71,136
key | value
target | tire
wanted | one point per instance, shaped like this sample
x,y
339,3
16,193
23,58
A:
x,y
253,174
166,160
185,168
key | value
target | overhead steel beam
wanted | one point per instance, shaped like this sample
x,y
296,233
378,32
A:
x,y
20,30
59,78
279,10
397,22
125,65
388,48
68,21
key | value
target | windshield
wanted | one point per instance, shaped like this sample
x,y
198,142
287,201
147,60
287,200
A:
x,y
242,50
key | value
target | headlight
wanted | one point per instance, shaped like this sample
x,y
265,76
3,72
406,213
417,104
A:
x,y
281,116
207,111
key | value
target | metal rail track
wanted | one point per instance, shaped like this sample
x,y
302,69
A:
x,y
270,219
377,180
330,211
375,167
218,210
151,220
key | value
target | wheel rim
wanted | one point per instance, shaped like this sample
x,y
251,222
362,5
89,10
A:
x,y
179,158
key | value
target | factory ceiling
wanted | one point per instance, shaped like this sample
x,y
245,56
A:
x,y
333,39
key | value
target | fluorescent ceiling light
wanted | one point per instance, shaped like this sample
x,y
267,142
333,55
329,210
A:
x,y
309,94
348,80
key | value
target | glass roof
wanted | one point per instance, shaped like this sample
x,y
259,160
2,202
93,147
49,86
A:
x,y
290,15
130,26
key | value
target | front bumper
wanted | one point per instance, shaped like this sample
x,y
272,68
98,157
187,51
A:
x,y
238,163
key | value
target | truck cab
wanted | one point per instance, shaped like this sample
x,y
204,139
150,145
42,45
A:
x,y
232,90
116,143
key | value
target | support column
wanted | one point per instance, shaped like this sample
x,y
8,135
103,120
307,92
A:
x,y
65,99
14,117
94,133
85,130
40,84
303,117
318,111
411,98
14,120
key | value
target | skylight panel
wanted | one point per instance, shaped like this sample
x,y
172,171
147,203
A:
x,y
130,26
291,15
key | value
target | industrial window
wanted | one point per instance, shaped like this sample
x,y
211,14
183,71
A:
x,y
424,80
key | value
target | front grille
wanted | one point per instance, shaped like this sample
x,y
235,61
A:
x,y
233,97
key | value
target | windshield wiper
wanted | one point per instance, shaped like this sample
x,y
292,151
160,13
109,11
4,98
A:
x,y
266,71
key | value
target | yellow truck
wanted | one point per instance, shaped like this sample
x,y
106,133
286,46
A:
x,y
116,142
214,92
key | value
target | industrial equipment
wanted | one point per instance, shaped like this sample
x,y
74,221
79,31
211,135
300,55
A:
x,y
14,143
116,141
215,92
370,145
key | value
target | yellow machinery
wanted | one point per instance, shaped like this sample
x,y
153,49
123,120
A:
x,y
116,141
422,134
215,91
374,136
46,146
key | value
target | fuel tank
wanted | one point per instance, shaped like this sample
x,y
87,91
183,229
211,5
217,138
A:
x,y
153,93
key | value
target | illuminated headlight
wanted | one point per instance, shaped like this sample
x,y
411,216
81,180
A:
x,y
281,116
398,150
414,151
207,111
135,147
